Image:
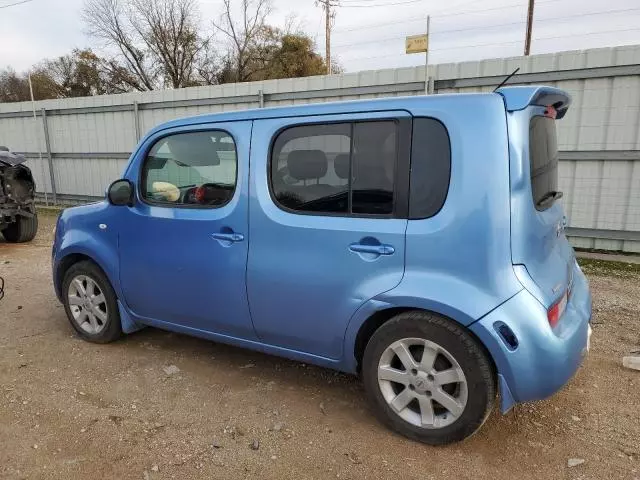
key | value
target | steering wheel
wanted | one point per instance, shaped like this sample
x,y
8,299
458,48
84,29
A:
x,y
189,196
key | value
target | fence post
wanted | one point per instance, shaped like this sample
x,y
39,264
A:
x,y
136,120
47,144
261,98
431,85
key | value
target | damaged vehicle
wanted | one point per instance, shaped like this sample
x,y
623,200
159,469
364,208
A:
x,y
18,218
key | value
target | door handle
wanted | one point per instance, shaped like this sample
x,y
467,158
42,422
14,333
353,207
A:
x,y
228,237
375,249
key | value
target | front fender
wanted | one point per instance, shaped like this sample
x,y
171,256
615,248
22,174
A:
x,y
97,248
105,256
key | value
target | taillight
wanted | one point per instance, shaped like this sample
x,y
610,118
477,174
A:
x,y
557,309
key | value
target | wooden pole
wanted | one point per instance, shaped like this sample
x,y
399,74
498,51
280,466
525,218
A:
x,y
426,60
327,34
527,39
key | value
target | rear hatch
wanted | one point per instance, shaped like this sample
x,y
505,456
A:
x,y
542,256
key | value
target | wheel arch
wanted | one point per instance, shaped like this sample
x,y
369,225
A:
x,y
369,327
379,317
66,263
128,324
70,257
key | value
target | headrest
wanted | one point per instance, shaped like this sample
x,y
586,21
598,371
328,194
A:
x,y
341,165
194,149
307,164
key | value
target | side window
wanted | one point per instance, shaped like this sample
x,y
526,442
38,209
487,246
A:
x,y
191,169
339,168
430,168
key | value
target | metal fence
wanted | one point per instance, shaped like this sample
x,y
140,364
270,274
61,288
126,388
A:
x,y
85,142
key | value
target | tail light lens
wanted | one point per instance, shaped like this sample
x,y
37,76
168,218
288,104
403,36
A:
x,y
557,309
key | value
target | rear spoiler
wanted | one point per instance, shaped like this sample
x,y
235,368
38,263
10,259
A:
x,y
519,98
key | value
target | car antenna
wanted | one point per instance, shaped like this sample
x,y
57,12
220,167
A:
x,y
507,79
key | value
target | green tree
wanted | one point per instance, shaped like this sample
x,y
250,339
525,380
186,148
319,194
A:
x,y
294,57
74,75
14,87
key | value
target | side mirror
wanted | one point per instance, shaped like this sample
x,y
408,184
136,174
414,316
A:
x,y
120,193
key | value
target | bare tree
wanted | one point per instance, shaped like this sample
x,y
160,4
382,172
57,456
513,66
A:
x,y
169,28
109,20
157,40
245,34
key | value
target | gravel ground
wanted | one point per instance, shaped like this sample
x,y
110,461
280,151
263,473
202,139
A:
x,y
160,405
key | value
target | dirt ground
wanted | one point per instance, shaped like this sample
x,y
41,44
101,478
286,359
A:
x,y
71,410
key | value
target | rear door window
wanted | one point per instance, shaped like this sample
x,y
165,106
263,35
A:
x,y
338,168
543,157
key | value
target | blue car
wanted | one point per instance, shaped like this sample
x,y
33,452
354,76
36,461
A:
x,y
417,242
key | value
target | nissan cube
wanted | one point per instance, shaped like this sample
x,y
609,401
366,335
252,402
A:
x,y
417,242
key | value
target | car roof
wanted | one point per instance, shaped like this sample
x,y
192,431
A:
x,y
519,96
309,109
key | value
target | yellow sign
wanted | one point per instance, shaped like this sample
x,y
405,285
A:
x,y
417,43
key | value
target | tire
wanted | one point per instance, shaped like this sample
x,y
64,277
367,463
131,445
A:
x,y
98,320
24,229
454,350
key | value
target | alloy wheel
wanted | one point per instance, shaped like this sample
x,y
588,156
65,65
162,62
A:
x,y
87,304
422,383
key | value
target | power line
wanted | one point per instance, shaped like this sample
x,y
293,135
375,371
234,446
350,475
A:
x,y
499,25
338,31
356,1
16,3
514,42
424,19
375,25
381,4
432,34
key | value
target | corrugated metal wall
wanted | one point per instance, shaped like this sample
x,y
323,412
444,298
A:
x,y
89,139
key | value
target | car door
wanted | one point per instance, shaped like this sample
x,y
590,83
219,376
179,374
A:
x,y
183,244
328,220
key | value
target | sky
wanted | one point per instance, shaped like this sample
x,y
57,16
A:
x,y
367,34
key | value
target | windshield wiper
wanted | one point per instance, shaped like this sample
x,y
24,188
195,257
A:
x,y
549,197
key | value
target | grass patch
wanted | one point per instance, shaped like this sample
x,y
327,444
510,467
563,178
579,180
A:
x,y
592,266
49,211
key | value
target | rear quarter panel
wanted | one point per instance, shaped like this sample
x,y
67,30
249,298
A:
x,y
458,262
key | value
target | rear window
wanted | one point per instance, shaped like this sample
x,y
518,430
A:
x,y
543,155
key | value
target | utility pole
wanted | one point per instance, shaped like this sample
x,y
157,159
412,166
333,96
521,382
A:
x,y
327,33
329,16
527,39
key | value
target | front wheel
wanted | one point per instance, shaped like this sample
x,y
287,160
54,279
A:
x,y
90,303
23,229
428,378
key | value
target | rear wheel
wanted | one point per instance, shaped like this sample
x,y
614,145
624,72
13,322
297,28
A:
x,y
428,378
24,229
90,303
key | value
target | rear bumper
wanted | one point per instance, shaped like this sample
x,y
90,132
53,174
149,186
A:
x,y
545,359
